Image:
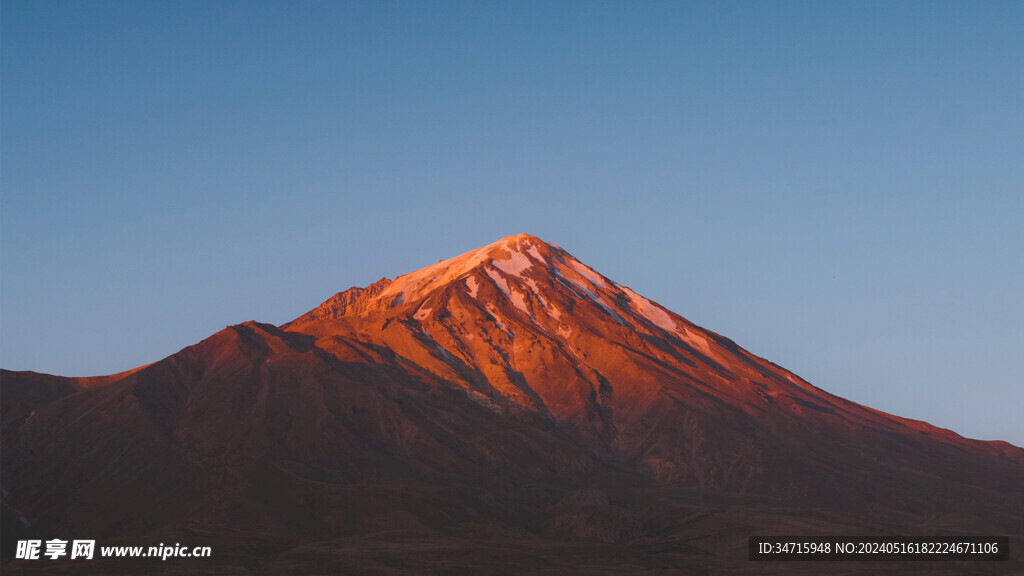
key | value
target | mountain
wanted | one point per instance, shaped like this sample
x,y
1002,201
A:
x,y
509,410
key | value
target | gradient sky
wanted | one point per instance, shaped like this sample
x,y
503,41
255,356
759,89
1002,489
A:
x,y
838,187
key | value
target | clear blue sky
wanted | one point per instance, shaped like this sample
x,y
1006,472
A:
x,y
837,186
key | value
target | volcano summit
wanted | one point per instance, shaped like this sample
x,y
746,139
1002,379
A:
x,y
509,410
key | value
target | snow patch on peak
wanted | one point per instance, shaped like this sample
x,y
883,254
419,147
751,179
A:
x,y
700,341
517,297
499,280
472,285
587,272
493,311
413,285
651,311
515,264
582,292
532,251
422,313
536,291
519,300
512,255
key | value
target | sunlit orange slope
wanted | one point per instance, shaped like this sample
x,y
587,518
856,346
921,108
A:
x,y
522,322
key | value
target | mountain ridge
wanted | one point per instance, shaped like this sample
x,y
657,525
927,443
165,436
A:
x,y
511,387
514,255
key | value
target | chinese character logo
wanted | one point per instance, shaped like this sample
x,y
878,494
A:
x,y
83,549
56,548
28,549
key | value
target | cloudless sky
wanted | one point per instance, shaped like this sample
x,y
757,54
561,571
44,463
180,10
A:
x,y
837,186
